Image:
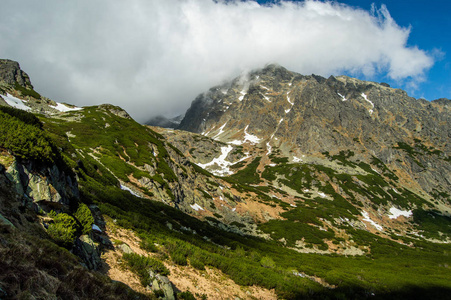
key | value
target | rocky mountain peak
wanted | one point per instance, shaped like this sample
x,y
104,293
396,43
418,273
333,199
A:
x,y
299,115
10,73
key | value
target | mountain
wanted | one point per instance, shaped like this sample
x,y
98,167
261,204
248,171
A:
x,y
310,115
162,121
274,185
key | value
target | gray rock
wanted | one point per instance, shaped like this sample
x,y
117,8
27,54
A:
x,y
5,221
125,248
42,184
13,173
10,73
162,283
87,250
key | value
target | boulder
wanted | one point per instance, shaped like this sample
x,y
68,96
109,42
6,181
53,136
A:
x,y
125,248
162,283
87,250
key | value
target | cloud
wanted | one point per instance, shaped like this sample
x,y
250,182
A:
x,y
153,57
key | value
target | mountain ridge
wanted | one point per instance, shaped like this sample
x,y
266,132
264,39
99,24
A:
x,y
250,195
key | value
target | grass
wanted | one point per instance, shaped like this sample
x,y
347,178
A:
x,y
35,268
388,269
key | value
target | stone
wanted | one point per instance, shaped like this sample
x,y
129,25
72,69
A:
x,y
6,221
13,173
87,250
125,248
10,73
162,283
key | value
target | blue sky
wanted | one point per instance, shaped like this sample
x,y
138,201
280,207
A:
x,y
153,57
430,23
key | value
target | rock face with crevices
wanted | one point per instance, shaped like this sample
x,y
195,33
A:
x,y
274,108
10,73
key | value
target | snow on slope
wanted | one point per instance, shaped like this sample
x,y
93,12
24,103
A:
x,y
366,217
395,213
372,104
249,137
123,187
15,102
342,97
196,207
221,130
63,108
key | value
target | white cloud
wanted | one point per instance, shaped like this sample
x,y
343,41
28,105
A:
x,y
153,57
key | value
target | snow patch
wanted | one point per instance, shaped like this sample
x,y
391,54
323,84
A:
x,y
299,274
366,217
222,163
322,195
63,108
249,137
266,98
221,130
395,213
236,142
15,102
196,207
268,146
243,93
96,228
372,104
375,170
296,159
123,187
342,97
289,100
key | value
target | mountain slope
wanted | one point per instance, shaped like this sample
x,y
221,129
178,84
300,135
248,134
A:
x,y
372,147
371,232
308,115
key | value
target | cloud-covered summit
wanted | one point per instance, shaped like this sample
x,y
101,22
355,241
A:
x,y
153,57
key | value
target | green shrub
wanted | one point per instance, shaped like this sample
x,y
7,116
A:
x,y
179,258
186,296
25,140
26,92
141,265
267,262
84,216
197,262
62,231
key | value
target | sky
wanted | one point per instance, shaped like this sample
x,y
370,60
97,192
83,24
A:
x,y
153,57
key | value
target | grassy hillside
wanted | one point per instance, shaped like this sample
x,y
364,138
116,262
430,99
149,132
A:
x,y
100,153
102,147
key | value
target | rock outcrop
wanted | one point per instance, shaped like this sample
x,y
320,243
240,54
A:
x,y
44,186
162,284
311,115
88,251
10,73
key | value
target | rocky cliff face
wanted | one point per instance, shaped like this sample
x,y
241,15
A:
x,y
42,186
311,115
11,73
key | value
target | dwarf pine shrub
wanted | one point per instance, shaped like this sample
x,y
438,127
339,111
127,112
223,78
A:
x,y
62,231
84,216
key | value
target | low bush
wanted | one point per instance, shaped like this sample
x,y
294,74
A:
x,y
84,216
141,265
63,229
